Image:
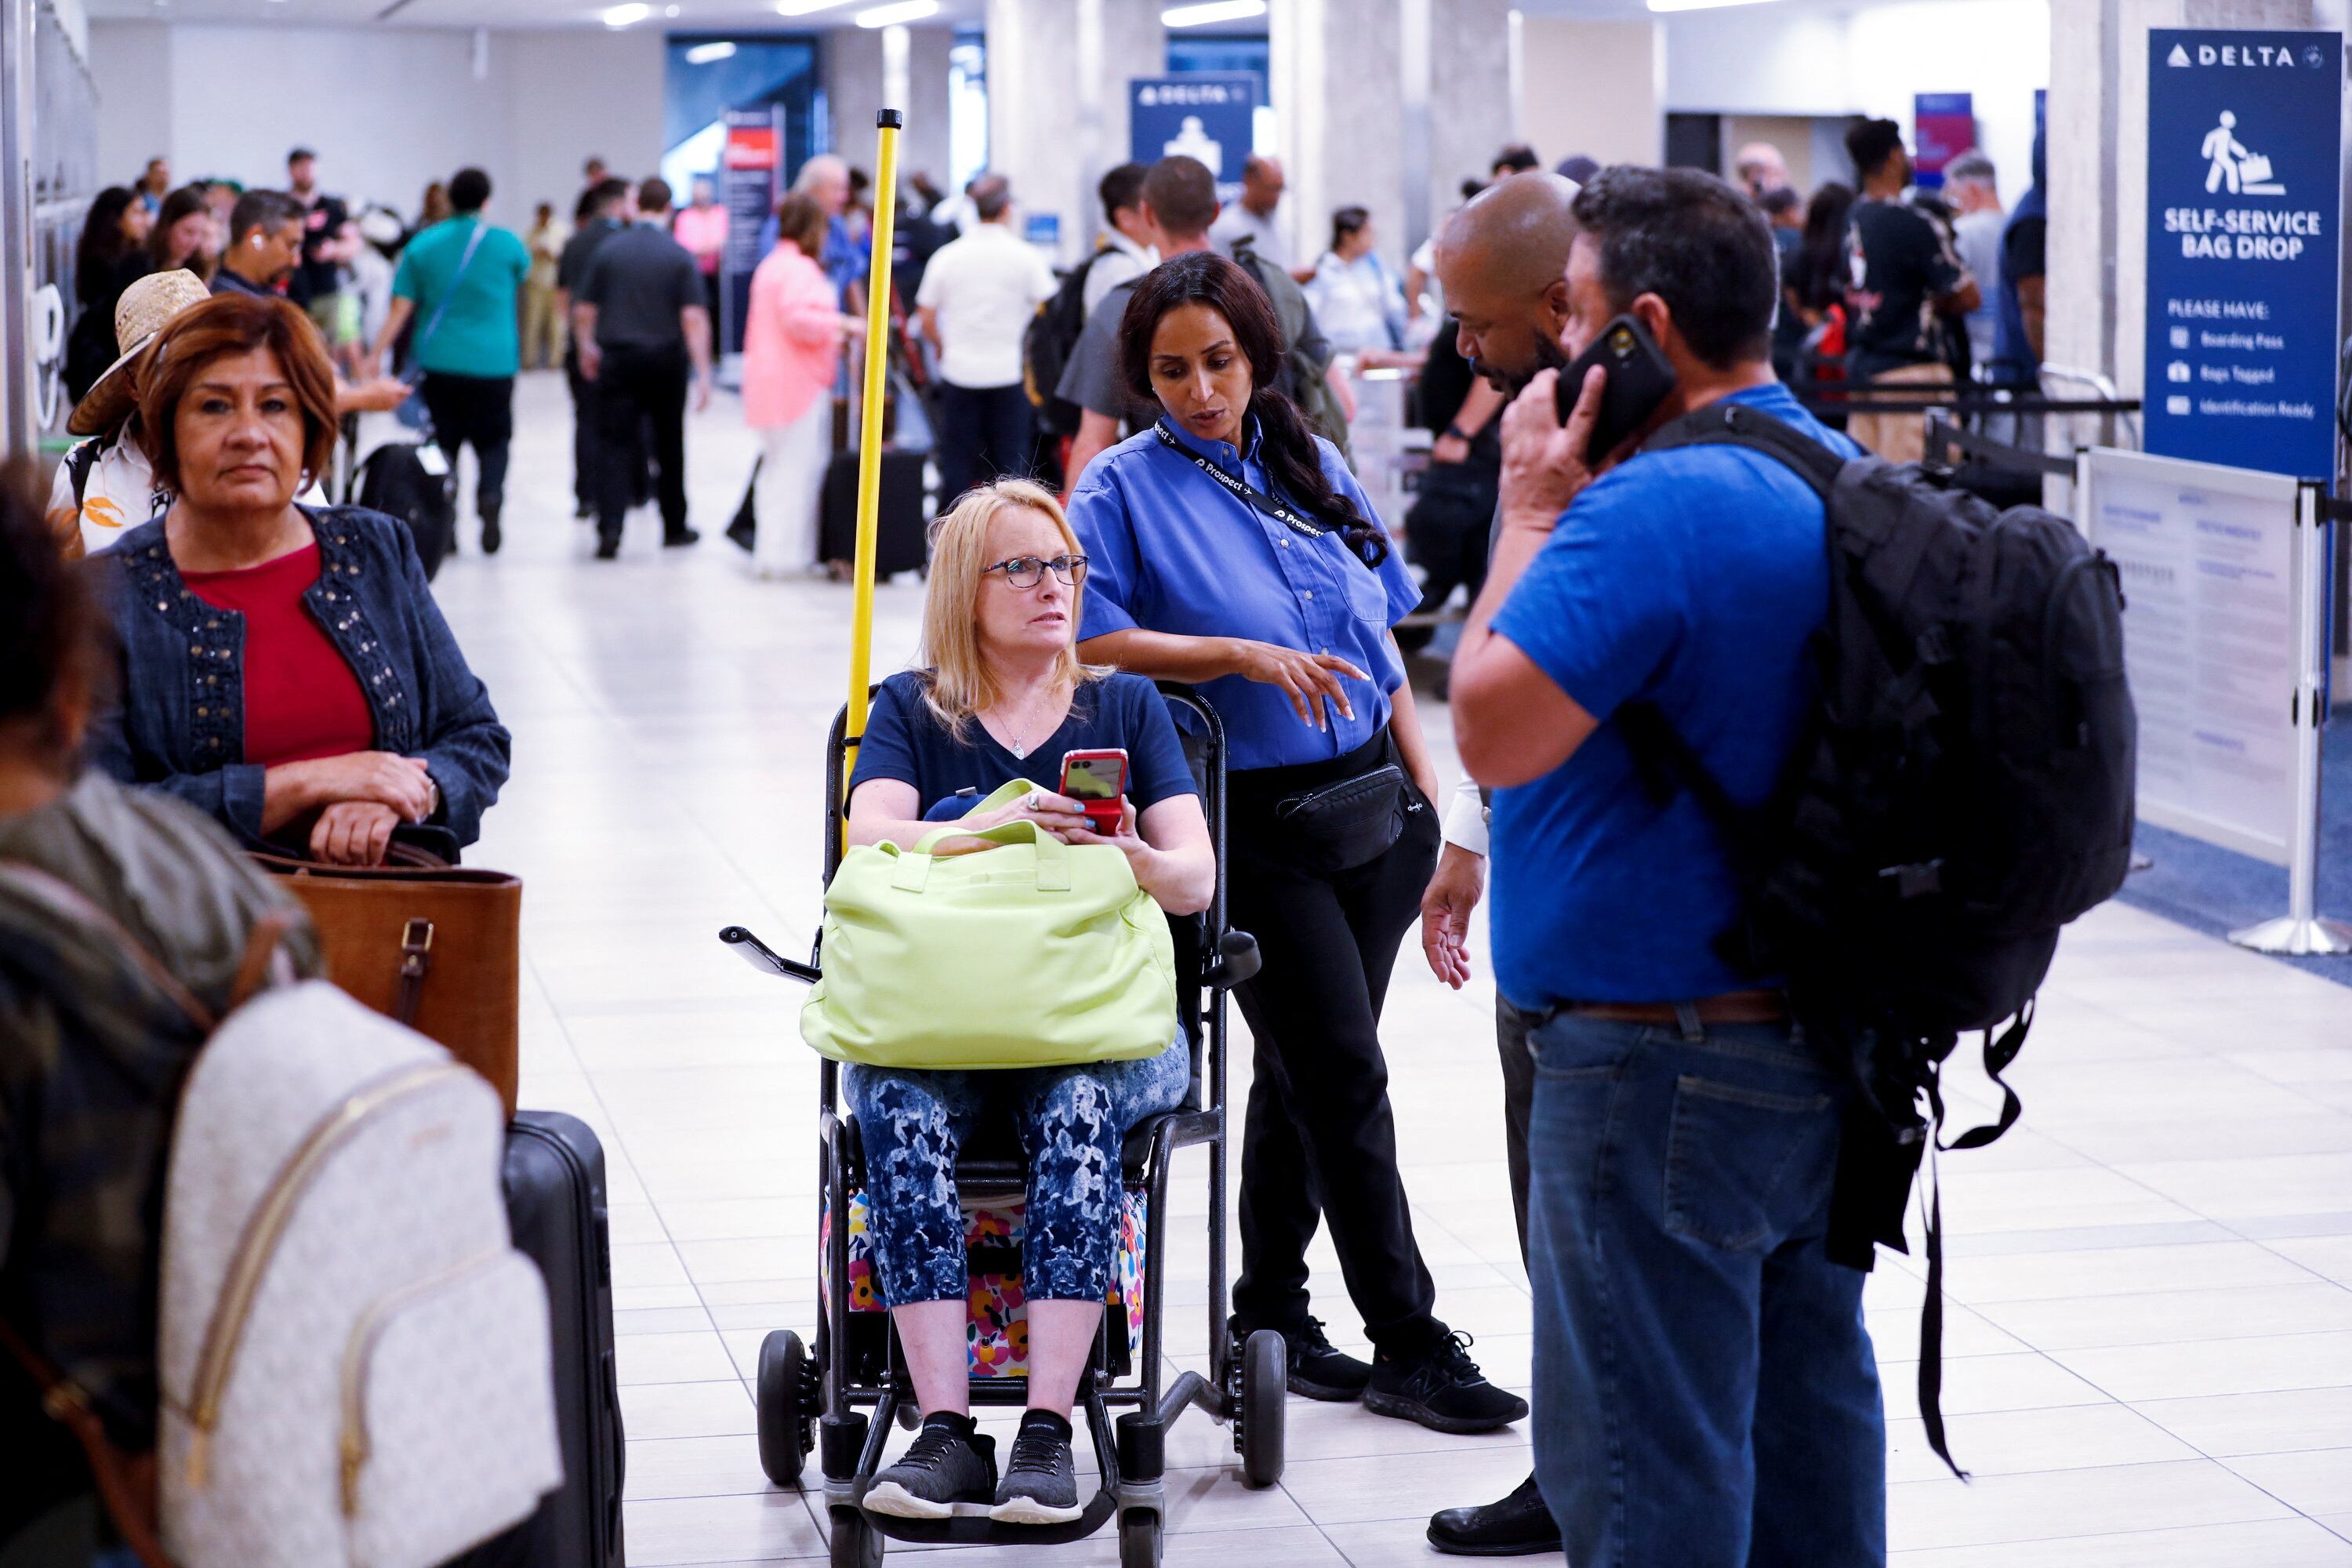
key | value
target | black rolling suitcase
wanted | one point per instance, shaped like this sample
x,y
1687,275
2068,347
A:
x,y
555,1207
900,521
414,483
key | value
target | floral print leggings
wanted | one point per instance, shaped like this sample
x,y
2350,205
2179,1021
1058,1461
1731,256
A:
x,y
1073,1122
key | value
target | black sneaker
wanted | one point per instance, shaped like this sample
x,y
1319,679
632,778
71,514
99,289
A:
x,y
1441,1389
1041,1478
674,538
1518,1526
949,1470
608,546
1319,1372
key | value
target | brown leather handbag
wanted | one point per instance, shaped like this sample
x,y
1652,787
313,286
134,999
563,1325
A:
x,y
435,946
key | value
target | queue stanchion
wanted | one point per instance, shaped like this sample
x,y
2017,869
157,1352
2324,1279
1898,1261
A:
x,y
888,123
2302,930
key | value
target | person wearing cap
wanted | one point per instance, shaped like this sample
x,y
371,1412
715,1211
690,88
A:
x,y
105,485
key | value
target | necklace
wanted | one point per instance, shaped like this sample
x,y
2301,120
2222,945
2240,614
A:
x,y
1019,745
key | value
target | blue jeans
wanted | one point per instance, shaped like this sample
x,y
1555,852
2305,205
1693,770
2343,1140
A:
x,y
1705,1395
1074,1121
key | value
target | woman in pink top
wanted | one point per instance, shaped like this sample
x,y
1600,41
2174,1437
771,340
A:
x,y
791,348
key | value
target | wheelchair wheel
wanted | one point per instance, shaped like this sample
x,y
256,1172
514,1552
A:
x,y
1138,1539
1266,1376
787,1411
856,1543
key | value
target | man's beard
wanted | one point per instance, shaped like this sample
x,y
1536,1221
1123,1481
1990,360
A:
x,y
1550,355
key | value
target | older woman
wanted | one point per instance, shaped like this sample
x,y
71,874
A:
x,y
90,1070
1004,698
286,669
1232,548
791,348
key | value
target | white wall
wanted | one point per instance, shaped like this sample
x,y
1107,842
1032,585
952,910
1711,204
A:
x,y
132,64
1767,61
1591,88
388,109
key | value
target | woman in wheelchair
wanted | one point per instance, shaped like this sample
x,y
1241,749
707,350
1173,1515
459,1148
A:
x,y
1004,698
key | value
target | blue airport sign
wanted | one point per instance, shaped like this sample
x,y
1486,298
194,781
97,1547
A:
x,y
1208,115
2245,136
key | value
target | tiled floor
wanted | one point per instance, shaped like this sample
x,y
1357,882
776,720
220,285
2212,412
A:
x,y
2151,1345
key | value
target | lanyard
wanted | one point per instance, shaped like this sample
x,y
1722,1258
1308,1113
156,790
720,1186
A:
x,y
1296,521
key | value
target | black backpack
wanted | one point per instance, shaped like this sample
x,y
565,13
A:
x,y
396,481
1965,788
1047,344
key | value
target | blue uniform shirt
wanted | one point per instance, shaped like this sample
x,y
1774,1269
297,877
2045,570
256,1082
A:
x,y
1692,579
1175,552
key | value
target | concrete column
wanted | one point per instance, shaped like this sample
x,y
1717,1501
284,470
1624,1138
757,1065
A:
x,y
861,76
1472,111
1058,74
1339,80
2097,151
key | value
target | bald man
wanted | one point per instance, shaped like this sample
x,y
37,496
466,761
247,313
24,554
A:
x,y
1503,260
1760,168
844,260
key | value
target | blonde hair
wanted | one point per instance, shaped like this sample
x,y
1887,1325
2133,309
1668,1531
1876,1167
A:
x,y
959,686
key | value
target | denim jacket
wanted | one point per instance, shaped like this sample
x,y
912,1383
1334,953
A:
x,y
180,724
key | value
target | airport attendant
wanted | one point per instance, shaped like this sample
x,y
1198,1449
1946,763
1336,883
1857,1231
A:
x,y
1230,548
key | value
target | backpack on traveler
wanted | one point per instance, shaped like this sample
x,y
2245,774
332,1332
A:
x,y
1047,344
1305,377
354,1362
1964,789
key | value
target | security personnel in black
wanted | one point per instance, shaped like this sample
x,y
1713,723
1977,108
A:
x,y
644,328
602,213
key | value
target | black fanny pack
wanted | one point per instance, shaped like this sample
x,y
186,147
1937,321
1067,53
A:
x,y
1345,825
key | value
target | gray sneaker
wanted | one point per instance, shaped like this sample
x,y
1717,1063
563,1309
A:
x,y
1040,1480
949,1470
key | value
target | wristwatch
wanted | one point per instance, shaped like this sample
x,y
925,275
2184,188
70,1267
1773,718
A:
x,y
1459,434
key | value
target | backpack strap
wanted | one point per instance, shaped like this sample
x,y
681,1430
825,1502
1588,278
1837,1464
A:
x,y
1725,423
126,1482
80,462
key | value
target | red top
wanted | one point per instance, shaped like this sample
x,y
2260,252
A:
x,y
301,699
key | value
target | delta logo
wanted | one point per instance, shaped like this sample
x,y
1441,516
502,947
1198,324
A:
x,y
2248,56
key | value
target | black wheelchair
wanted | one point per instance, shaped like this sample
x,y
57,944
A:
x,y
818,1400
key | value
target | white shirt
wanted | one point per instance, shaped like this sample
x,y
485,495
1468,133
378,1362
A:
x,y
1119,259
1236,222
1358,304
120,492
983,288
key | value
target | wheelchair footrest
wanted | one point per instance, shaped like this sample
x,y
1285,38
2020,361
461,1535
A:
x,y
987,1532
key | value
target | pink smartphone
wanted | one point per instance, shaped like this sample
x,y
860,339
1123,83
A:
x,y
1097,781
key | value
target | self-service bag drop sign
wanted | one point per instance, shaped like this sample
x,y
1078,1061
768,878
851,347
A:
x,y
2243,204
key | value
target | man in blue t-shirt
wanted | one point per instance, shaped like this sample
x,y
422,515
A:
x,y
1704,1388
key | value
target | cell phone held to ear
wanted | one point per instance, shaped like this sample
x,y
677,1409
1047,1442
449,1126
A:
x,y
1640,377
1098,782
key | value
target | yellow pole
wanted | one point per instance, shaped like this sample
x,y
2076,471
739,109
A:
x,y
869,428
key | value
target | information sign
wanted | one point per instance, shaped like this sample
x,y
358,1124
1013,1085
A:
x,y
751,174
1208,115
2244,132
2212,584
1943,126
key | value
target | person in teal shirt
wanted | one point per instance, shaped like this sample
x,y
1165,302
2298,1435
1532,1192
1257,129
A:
x,y
461,281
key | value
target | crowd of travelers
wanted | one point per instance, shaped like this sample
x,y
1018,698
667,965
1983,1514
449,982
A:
x,y
243,667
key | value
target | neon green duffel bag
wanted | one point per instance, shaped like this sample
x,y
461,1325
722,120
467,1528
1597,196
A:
x,y
1034,954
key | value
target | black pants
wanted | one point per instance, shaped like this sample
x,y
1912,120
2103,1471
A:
x,y
1320,1139
1512,1028
583,429
475,411
640,390
984,432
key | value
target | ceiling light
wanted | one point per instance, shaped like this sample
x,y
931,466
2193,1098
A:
x,y
1698,4
1215,11
904,11
805,7
626,16
710,54
669,11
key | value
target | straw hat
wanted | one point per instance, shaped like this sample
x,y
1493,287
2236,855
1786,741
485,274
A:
x,y
145,308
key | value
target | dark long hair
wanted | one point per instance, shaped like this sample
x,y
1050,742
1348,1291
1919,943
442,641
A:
x,y
1286,441
1819,281
180,203
98,256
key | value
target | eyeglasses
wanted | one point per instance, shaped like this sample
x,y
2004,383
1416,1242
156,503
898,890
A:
x,y
1027,570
